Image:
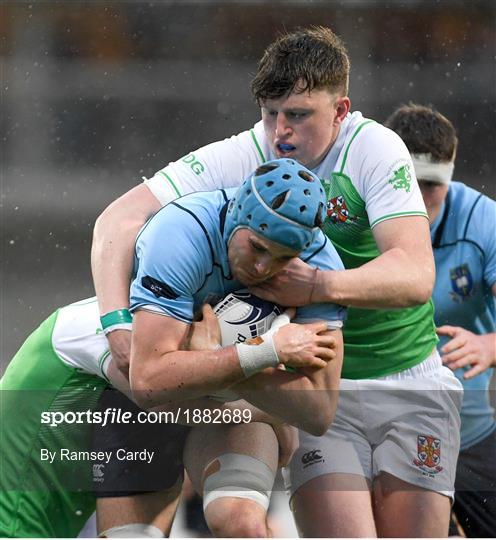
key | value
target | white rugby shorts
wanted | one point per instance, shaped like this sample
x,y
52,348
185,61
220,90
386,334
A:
x,y
406,424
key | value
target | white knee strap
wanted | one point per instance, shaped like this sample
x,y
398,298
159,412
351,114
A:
x,y
239,476
133,530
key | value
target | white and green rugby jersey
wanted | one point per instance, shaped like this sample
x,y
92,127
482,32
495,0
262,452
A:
x,y
59,369
369,178
78,338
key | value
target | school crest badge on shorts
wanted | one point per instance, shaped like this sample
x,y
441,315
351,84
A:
x,y
428,455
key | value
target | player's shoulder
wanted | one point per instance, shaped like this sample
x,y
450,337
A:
x,y
199,207
464,196
183,242
254,133
189,223
369,143
322,254
372,137
251,139
471,213
205,202
256,141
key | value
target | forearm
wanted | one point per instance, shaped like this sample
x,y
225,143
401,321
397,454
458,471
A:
x,y
294,398
392,280
306,399
256,414
111,265
161,373
183,375
207,410
112,250
188,412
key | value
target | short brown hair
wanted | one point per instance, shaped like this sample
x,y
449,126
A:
x,y
424,131
305,59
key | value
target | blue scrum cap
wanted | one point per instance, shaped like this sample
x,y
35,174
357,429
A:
x,y
282,201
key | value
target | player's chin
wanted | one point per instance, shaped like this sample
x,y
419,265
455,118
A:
x,y
251,281
248,280
292,154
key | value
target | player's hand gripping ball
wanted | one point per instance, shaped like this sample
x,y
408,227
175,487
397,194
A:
x,y
243,317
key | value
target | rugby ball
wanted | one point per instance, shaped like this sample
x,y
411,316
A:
x,y
243,316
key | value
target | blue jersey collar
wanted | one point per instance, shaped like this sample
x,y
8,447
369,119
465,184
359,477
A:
x,y
437,227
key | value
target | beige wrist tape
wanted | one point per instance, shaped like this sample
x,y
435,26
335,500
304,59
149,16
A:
x,y
254,358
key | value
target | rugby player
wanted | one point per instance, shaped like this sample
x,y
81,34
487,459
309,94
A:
x,y
273,217
463,226
231,239
370,476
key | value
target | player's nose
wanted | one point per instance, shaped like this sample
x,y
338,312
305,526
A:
x,y
262,265
283,127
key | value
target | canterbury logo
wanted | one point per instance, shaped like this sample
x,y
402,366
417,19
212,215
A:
x,y
310,457
98,472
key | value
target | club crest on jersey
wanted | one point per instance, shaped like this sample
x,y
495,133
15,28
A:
x,y
428,455
337,211
402,178
462,283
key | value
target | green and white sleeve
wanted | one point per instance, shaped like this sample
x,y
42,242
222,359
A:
x,y
222,164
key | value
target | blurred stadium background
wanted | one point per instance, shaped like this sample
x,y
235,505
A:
x,y
95,95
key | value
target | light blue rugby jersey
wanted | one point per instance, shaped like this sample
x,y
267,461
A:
x,y
464,242
181,260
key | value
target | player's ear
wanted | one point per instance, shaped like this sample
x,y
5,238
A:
x,y
342,108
